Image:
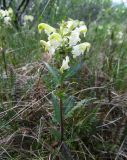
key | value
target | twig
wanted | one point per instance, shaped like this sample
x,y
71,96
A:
x,y
87,89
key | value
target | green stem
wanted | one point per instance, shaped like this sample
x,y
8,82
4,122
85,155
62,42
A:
x,y
61,120
4,59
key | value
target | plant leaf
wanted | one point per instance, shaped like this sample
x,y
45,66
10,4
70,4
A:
x,y
73,70
68,105
54,73
56,114
79,105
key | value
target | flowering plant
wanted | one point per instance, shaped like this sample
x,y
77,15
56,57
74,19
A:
x,y
65,48
27,19
6,16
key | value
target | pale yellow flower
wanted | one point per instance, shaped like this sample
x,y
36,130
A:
x,y
71,24
120,35
83,29
44,44
48,47
55,40
10,12
7,21
3,13
47,28
81,23
28,18
65,65
74,37
80,49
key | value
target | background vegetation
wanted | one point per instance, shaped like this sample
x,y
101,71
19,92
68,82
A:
x,y
96,108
